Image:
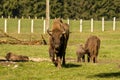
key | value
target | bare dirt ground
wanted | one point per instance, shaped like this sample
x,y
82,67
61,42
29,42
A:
x,y
3,61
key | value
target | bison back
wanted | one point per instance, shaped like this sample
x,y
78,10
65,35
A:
x,y
92,44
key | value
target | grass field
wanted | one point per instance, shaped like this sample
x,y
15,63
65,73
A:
x,y
107,68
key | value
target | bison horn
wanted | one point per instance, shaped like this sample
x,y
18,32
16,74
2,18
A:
x,y
49,32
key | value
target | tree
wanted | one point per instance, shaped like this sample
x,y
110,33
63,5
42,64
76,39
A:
x,y
73,9
47,14
55,9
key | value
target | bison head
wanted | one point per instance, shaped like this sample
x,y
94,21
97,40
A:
x,y
56,39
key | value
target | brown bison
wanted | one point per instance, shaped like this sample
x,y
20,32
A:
x,y
92,47
80,53
13,57
58,42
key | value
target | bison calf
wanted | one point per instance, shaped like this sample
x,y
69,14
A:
x,y
80,54
13,57
92,47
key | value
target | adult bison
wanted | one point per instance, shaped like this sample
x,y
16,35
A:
x,y
58,41
92,47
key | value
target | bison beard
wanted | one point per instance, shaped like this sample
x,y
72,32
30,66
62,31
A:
x,y
58,42
92,47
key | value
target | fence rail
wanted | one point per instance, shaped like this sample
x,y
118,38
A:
x,y
81,25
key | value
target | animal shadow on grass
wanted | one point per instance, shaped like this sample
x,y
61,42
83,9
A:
x,y
107,75
71,65
4,60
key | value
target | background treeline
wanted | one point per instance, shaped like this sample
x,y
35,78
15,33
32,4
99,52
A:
x,y
73,9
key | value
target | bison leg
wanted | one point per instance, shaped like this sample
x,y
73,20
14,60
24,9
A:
x,y
59,62
63,62
83,58
53,59
52,55
92,58
78,59
95,59
88,57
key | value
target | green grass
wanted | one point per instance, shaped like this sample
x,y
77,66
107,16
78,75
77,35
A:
x,y
107,68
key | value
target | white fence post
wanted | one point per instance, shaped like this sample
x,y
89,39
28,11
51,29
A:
x,y
8,17
2,17
15,17
35,17
42,17
102,23
32,23
19,26
68,21
5,26
114,24
80,25
22,17
91,24
28,17
44,27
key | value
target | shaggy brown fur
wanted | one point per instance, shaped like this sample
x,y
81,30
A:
x,y
80,53
58,42
13,57
92,47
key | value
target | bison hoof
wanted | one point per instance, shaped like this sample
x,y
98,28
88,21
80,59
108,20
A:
x,y
55,63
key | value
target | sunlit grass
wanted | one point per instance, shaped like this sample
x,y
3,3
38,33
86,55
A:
x,y
107,68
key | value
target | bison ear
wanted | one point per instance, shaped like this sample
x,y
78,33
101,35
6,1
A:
x,y
49,32
61,21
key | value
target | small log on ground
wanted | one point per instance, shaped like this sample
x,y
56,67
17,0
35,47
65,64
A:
x,y
17,58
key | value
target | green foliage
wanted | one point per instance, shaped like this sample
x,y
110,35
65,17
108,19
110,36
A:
x,y
55,7
73,9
